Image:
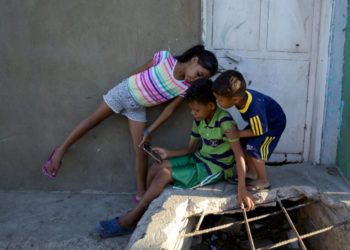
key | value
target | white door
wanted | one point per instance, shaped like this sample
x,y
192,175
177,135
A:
x,y
271,43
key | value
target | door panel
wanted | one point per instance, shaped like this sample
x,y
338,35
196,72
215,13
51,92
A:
x,y
269,41
290,25
234,20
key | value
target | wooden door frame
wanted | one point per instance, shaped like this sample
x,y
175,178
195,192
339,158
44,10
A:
x,y
316,100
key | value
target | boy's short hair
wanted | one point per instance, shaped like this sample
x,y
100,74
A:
x,y
200,91
230,83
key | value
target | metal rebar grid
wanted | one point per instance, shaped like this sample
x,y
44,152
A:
x,y
290,221
246,222
304,236
231,224
250,237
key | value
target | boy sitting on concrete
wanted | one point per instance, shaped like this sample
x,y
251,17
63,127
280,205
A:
x,y
189,167
266,121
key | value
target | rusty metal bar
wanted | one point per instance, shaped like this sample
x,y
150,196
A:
x,y
304,236
290,222
200,220
250,237
227,225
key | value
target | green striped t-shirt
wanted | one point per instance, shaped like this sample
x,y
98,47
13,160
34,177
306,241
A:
x,y
216,152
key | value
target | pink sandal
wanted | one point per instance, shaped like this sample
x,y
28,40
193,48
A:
x,y
55,169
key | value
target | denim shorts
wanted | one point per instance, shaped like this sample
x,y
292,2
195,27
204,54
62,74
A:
x,y
121,102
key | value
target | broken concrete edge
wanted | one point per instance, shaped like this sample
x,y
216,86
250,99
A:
x,y
167,216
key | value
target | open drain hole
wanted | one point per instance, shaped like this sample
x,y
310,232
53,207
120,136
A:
x,y
278,223
265,231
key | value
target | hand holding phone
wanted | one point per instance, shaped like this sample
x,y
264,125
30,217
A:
x,y
148,149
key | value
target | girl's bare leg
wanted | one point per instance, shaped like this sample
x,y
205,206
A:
x,y
101,113
136,129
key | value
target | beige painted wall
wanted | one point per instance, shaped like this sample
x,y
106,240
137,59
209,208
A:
x,y
57,60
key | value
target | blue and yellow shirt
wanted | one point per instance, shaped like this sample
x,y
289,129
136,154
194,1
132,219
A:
x,y
263,114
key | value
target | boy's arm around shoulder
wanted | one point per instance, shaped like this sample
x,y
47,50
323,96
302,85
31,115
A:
x,y
245,133
234,133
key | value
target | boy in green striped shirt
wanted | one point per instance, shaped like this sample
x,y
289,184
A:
x,y
189,167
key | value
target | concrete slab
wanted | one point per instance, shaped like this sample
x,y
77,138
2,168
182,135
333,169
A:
x,y
160,226
66,220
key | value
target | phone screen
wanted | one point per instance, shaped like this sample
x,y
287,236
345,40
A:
x,y
148,149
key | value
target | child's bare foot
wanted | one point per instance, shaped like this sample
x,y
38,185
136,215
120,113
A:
x,y
258,185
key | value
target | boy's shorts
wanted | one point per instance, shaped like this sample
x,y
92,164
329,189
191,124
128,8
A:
x,y
189,172
120,101
260,147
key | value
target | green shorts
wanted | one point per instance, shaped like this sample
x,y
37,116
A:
x,y
187,172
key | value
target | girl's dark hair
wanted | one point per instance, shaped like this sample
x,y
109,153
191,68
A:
x,y
200,91
230,83
206,58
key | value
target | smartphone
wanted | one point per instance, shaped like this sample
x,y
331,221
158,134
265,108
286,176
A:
x,y
148,149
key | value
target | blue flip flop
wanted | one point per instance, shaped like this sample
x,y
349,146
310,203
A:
x,y
112,228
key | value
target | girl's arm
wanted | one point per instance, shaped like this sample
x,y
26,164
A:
x,y
243,196
143,67
164,153
166,113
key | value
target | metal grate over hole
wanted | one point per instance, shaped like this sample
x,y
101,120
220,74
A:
x,y
267,227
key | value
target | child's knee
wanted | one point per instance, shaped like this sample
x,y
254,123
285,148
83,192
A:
x,y
166,164
164,175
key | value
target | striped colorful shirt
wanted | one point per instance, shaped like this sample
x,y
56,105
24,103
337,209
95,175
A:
x,y
157,84
263,114
216,152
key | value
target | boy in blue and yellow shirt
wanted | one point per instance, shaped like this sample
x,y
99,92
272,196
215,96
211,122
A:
x,y
190,167
266,119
